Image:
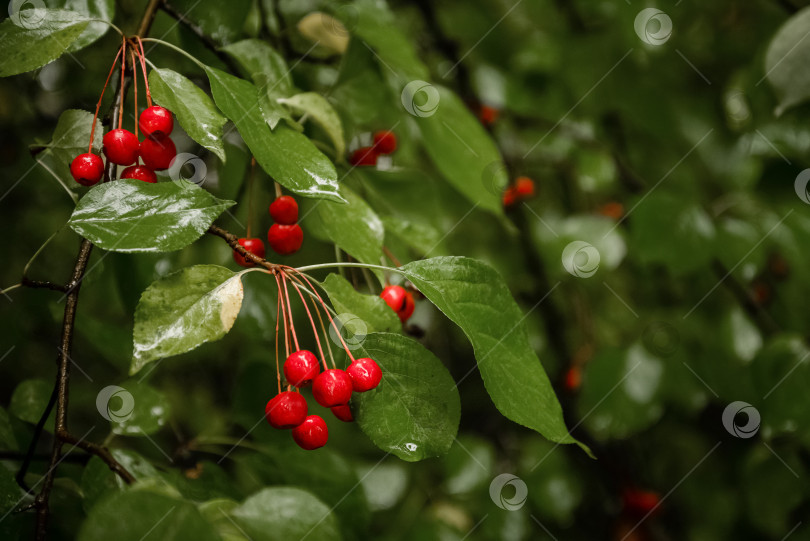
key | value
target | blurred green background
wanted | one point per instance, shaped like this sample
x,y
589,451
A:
x,y
669,159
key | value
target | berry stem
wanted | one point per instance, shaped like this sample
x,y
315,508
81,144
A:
x,y
331,320
289,310
283,316
142,56
320,318
278,189
134,90
312,322
123,72
278,316
251,176
98,105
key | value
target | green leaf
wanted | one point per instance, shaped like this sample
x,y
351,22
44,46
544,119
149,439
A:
x,y
93,9
71,138
269,72
621,393
8,441
30,399
136,216
376,25
223,22
10,492
195,111
463,151
282,513
781,373
415,411
289,157
322,112
371,310
148,414
49,35
136,515
475,297
354,227
184,310
785,59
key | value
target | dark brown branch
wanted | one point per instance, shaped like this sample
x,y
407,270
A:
x,y
41,284
33,445
61,434
233,242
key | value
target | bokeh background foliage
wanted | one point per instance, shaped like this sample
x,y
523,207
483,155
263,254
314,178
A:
x,y
698,301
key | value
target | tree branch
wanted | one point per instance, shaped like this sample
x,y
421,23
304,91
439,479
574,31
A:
x,y
233,242
61,434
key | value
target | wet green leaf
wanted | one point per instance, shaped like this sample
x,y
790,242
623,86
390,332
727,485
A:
x,y
322,113
281,513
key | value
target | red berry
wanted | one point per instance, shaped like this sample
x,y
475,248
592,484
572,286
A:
x,y
286,410
332,388
400,300
524,187
510,196
158,155
139,172
284,210
488,115
640,502
343,412
156,122
612,210
300,368
311,434
285,239
87,169
573,378
385,142
120,146
365,374
364,157
254,246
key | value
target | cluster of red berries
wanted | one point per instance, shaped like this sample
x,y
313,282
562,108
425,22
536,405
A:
x,y
331,388
121,146
400,300
523,188
385,142
284,237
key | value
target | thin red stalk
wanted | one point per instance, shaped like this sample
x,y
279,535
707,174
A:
x,y
314,328
145,78
98,105
320,320
123,71
284,319
331,321
278,316
289,310
135,90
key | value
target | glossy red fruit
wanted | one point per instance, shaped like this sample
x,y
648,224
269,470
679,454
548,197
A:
x,y
400,300
640,502
364,157
87,169
343,412
488,115
156,122
285,239
252,245
510,196
284,210
365,374
158,155
300,368
311,434
385,142
139,172
120,146
332,388
573,378
524,187
286,410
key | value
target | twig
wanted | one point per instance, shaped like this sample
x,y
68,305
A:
x,y
233,242
41,284
61,434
